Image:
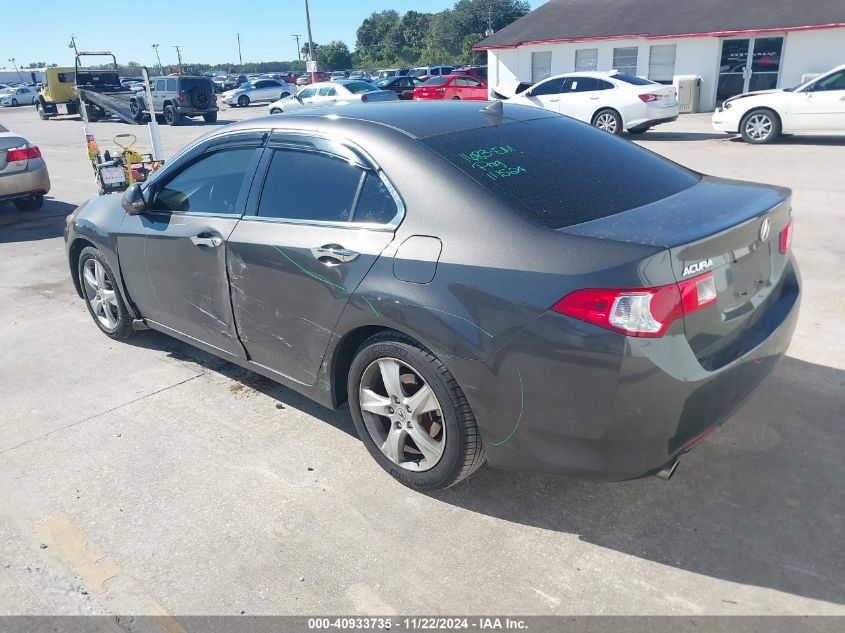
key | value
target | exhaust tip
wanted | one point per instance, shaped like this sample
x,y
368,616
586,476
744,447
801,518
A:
x,y
668,470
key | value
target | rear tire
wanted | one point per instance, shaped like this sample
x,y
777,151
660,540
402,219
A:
x,y
14,103
608,120
171,116
275,111
39,108
136,110
210,117
32,203
95,273
243,101
456,98
760,126
444,414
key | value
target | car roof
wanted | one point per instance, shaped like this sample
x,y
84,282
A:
x,y
416,119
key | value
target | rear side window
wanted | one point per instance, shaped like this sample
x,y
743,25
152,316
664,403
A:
x,y
550,87
631,79
171,85
375,203
357,87
559,172
309,186
581,84
435,81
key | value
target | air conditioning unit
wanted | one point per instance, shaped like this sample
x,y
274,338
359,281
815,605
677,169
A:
x,y
688,91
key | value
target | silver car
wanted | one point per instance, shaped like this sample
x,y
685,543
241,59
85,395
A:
x,y
23,173
256,91
327,93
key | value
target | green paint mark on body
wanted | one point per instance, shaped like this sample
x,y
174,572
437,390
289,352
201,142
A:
x,y
477,327
372,307
308,272
521,411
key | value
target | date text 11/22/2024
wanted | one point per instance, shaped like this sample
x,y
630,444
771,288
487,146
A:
x,y
494,168
419,623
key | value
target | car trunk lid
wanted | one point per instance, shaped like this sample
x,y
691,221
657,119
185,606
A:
x,y
9,142
725,228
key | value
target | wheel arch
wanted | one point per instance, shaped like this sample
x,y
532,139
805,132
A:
x,y
612,109
74,251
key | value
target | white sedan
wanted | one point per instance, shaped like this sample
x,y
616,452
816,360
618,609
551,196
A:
x,y
610,101
813,107
329,93
257,90
22,95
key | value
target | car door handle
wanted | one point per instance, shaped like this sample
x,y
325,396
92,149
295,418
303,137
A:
x,y
210,241
553,100
594,98
334,252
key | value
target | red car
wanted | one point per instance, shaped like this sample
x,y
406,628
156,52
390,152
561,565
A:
x,y
453,87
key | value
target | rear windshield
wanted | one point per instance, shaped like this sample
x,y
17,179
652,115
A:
x,y
559,172
189,83
435,81
357,87
637,81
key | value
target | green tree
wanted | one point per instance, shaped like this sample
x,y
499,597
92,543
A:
x,y
333,56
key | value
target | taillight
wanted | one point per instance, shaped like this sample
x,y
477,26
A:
x,y
214,98
786,238
22,153
642,312
647,98
181,98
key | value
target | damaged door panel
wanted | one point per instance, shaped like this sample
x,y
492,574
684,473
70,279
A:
x,y
302,250
173,255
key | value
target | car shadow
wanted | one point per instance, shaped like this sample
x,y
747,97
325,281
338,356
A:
x,y
761,502
653,135
802,139
26,226
245,379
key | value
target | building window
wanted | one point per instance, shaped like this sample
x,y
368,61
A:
x,y
625,60
661,63
586,59
541,66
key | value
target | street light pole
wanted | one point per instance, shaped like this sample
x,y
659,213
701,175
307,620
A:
x,y
12,59
240,58
298,50
310,44
160,69
179,56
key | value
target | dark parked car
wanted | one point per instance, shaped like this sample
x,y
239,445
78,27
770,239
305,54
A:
x,y
402,86
535,312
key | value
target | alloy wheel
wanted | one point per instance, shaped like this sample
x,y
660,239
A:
x,y
758,127
100,294
607,122
402,414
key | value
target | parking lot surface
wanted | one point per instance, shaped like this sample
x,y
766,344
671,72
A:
x,y
150,478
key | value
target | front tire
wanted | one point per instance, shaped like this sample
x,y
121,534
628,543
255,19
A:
x,y
412,415
102,297
760,126
243,101
608,120
275,111
171,116
14,103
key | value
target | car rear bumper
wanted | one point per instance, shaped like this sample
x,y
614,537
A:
x,y
33,180
568,398
651,115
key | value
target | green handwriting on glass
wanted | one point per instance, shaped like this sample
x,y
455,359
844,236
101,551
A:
x,y
488,161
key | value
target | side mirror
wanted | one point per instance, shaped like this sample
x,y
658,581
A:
x,y
133,200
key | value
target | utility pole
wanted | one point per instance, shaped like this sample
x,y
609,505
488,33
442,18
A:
x,y
73,44
489,30
179,56
240,58
310,44
160,69
298,50
12,59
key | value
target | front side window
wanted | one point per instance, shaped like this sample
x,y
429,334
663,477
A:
x,y
308,92
160,84
836,81
625,59
210,184
550,87
309,186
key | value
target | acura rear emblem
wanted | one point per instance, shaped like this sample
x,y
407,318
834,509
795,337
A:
x,y
764,230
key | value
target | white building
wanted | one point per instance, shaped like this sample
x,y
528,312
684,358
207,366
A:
x,y
733,45
21,75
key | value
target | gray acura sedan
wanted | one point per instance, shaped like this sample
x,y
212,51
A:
x,y
497,284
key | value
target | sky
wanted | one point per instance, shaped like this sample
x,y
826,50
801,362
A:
x,y
206,31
